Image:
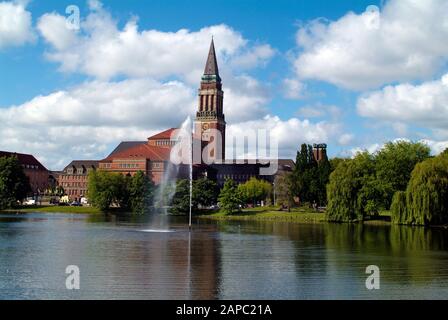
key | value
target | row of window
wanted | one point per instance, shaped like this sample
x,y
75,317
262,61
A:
x,y
128,165
30,166
235,176
73,177
74,184
76,192
164,143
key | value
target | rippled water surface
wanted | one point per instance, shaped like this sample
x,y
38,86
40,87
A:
x,y
156,257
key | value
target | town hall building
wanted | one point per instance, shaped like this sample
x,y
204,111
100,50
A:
x,y
153,156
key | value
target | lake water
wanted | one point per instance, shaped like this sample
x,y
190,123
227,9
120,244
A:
x,y
156,257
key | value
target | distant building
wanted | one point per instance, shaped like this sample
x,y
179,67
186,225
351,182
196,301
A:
x,y
74,178
319,151
37,174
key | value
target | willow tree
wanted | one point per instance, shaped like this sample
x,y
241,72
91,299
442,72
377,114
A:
x,y
349,189
426,198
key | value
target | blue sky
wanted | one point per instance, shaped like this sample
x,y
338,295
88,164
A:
x,y
354,74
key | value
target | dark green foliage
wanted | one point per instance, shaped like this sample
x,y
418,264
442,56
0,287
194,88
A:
x,y
14,184
426,195
394,164
229,198
398,207
310,177
181,198
205,192
129,193
141,193
283,185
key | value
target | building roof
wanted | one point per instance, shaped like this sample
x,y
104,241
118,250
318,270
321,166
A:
x,y
24,159
211,66
82,163
163,135
143,151
126,145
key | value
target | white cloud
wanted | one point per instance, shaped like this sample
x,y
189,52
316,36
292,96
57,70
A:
x,y
89,120
289,133
104,51
436,146
256,56
293,89
54,30
15,24
345,139
405,41
425,105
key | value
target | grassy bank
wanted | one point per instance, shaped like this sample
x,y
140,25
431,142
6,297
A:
x,y
299,215
54,209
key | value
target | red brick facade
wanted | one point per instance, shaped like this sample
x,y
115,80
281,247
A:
x,y
37,174
74,178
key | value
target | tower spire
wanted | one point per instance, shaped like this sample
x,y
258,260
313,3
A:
x,y
211,71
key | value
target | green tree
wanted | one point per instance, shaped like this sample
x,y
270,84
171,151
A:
x,y
311,177
205,192
14,184
141,193
283,185
254,190
334,162
106,188
394,164
426,199
181,198
229,198
350,188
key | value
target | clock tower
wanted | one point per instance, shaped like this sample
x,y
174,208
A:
x,y
210,124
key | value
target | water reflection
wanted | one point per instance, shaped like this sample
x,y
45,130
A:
x,y
226,260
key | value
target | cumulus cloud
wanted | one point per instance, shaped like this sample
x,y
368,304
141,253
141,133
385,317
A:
x,y
88,120
404,41
15,24
102,50
54,30
289,133
425,105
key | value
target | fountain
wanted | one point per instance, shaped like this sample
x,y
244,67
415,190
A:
x,y
181,154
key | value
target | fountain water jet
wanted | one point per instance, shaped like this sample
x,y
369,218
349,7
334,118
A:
x,y
181,154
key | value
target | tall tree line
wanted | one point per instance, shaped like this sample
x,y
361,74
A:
x,y
310,177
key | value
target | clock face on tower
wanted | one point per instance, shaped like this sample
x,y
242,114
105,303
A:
x,y
205,131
